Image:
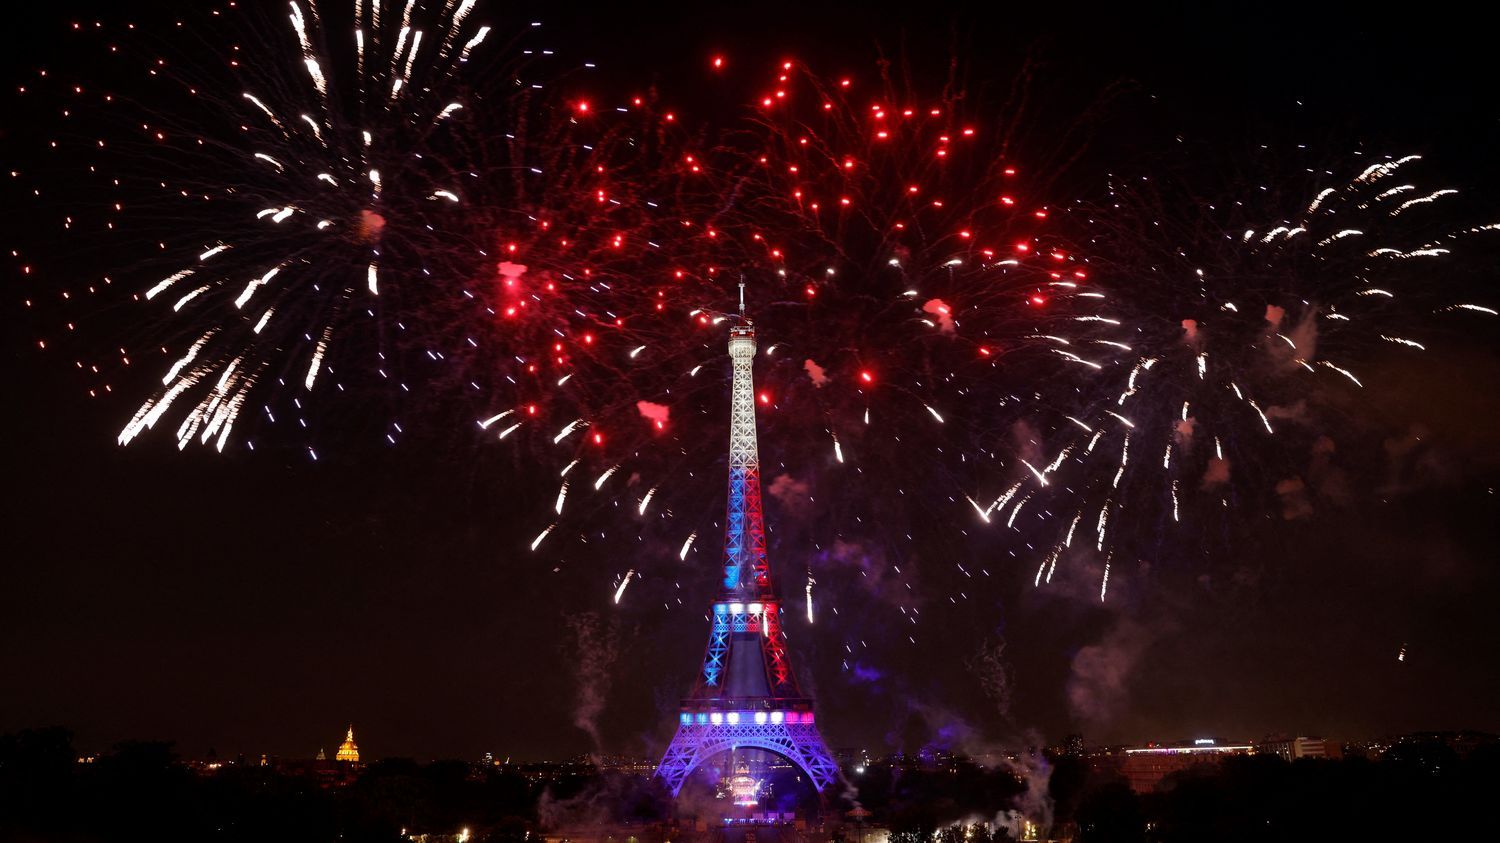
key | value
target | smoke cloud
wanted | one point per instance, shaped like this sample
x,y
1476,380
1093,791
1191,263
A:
x,y
1183,430
1295,502
1035,805
1027,442
1296,412
818,374
611,799
791,492
1274,315
877,576
658,414
371,226
1305,335
1217,473
1099,683
993,671
941,312
597,646
1190,333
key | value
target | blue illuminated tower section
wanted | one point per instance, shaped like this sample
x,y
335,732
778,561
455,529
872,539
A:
x,y
746,694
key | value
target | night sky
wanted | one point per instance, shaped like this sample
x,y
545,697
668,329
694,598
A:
x,y
259,602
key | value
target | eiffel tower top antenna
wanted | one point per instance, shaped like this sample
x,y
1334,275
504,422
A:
x,y
742,297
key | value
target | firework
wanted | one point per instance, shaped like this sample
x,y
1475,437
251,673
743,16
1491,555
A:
x,y
568,268
900,257
301,194
1252,344
947,329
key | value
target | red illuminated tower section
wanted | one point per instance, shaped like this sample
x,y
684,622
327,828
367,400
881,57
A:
x,y
746,694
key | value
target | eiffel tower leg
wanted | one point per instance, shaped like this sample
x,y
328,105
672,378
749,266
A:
x,y
681,757
814,758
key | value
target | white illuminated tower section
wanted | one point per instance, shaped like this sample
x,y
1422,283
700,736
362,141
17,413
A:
x,y
746,694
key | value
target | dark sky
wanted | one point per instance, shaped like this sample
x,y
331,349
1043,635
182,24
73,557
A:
x,y
259,603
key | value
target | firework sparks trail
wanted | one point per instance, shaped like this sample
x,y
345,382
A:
x,y
1264,309
624,582
591,287
608,295
313,191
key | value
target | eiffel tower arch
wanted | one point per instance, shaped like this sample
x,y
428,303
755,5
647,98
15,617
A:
x,y
746,694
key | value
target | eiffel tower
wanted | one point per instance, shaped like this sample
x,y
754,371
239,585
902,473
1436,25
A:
x,y
746,695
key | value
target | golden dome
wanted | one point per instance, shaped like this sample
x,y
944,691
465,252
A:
x,y
347,750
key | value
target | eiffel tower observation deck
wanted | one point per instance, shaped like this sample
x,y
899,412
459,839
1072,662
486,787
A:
x,y
746,694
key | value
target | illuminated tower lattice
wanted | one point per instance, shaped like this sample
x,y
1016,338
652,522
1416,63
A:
x,y
746,694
